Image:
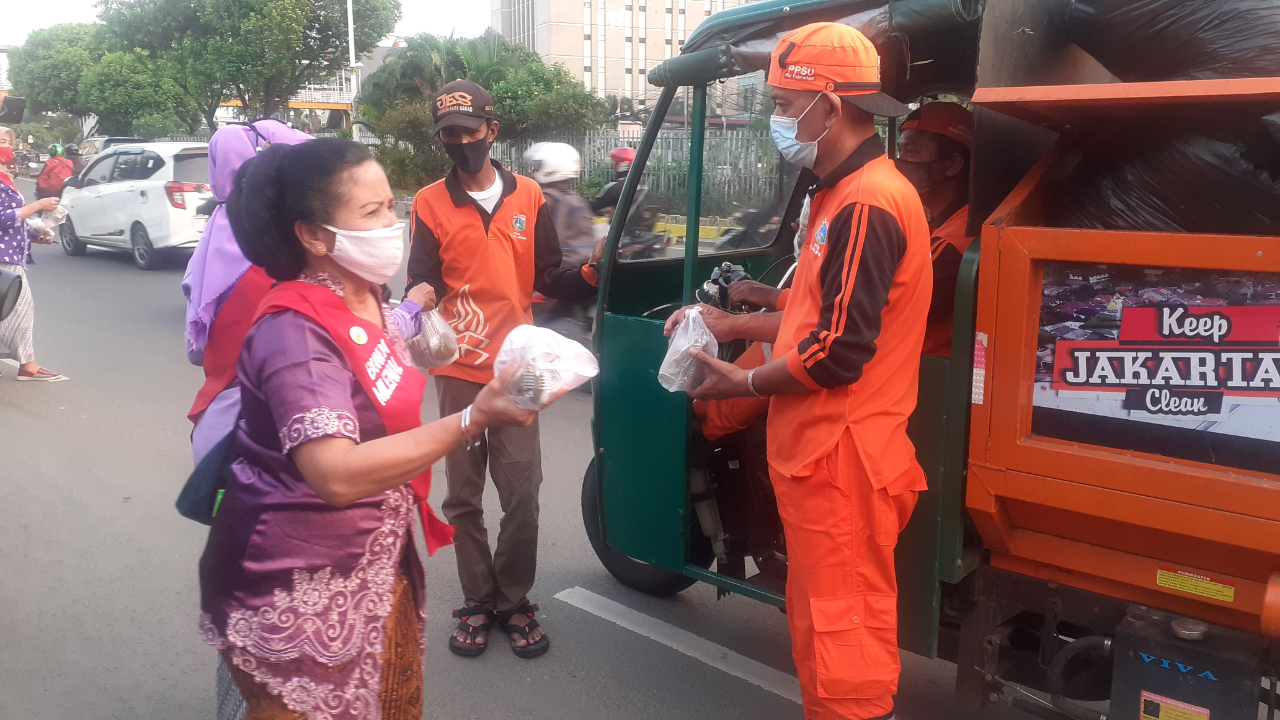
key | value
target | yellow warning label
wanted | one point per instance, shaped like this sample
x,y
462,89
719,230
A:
x,y
1155,707
1195,584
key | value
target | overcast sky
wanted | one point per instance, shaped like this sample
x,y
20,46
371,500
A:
x,y
463,18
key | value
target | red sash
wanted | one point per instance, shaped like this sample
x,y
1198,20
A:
x,y
395,392
226,335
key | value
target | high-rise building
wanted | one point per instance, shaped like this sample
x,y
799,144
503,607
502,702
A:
x,y
609,44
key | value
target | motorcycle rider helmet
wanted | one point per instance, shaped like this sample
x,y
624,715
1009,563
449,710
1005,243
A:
x,y
553,162
72,149
622,158
55,150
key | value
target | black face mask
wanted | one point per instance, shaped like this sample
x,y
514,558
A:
x,y
469,157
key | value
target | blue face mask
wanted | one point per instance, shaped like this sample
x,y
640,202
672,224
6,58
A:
x,y
784,130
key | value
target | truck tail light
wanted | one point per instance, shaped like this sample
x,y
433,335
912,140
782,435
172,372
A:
x,y
177,192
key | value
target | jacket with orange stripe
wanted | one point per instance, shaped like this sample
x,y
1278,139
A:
x,y
486,266
948,244
854,322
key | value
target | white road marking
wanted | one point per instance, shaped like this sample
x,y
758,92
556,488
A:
x,y
716,656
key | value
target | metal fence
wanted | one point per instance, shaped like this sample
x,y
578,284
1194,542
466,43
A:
x,y
740,167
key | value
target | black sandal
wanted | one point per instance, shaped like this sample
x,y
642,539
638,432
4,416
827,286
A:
x,y
470,648
530,650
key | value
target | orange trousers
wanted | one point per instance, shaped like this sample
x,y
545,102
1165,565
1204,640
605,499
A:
x,y
842,593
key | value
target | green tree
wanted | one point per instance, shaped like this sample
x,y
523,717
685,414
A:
x,y
125,87
46,70
426,63
545,98
43,138
179,35
280,46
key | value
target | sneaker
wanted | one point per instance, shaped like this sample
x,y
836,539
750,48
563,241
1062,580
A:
x,y
41,375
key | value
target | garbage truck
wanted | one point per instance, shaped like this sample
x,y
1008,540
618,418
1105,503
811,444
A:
x,y
1101,533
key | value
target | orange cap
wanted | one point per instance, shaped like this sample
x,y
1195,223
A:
x,y
833,58
944,118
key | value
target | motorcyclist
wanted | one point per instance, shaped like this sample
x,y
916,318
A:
x,y
606,203
54,176
555,166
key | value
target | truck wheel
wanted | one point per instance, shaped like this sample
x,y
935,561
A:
x,y
637,575
71,244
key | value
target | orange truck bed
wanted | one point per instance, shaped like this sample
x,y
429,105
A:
x,y
1061,485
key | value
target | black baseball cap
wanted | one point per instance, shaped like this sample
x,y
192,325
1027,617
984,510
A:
x,y
463,104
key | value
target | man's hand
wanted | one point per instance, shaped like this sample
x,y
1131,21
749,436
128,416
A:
x,y
723,325
422,294
751,292
598,253
722,380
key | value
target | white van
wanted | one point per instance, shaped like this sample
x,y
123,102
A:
x,y
140,198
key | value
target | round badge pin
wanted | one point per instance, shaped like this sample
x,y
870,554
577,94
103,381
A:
x,y
358,335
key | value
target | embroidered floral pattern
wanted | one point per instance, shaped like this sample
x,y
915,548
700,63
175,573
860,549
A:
x,y
325,280
317,423
325,619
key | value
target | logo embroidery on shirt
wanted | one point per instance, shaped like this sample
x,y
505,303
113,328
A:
x,y
820,238
517,222
470,326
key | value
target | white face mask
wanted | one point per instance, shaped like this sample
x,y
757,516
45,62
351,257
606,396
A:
x,y
374,255
784,130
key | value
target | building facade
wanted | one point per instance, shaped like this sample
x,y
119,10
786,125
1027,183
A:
x,y
609,44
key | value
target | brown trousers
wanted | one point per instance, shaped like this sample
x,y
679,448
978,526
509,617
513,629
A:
x,y
500,580
401,696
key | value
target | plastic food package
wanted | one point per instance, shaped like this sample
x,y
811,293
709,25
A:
x,y
1175,183
1151,40
548,365
437,344
680,372
47,219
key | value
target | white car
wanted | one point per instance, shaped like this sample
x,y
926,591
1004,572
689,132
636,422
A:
x,y
141,198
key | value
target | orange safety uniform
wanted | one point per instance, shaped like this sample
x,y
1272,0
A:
x,y
947,247
843,469
719,418
486,266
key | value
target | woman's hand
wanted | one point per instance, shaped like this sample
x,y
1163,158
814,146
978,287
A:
x,y
45,204
751,292
723,325
424,295
494,406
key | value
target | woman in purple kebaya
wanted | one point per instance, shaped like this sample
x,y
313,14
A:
x,y
310,585
17,331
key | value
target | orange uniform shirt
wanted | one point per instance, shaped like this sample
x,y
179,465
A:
x,y
486,266
854,323
947,247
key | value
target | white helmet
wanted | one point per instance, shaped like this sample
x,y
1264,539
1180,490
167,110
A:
x,y
553,162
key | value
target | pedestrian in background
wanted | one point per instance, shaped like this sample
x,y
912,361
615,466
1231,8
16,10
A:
x,y
484,239
54,176
17,331
310,584
555,168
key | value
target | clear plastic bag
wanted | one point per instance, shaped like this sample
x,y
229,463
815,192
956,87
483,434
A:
x,y
437,344
47,219
548,365
680,372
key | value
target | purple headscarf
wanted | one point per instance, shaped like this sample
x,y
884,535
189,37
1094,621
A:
x,y
217,264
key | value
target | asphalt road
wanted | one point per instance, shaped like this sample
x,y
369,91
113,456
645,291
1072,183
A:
x,y
98,597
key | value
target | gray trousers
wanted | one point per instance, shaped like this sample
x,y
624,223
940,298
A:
x,y
513,455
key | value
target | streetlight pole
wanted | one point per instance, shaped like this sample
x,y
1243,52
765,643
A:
x,y
352,64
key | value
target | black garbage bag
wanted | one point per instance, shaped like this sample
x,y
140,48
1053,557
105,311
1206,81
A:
x,y
1152,40
1186,182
